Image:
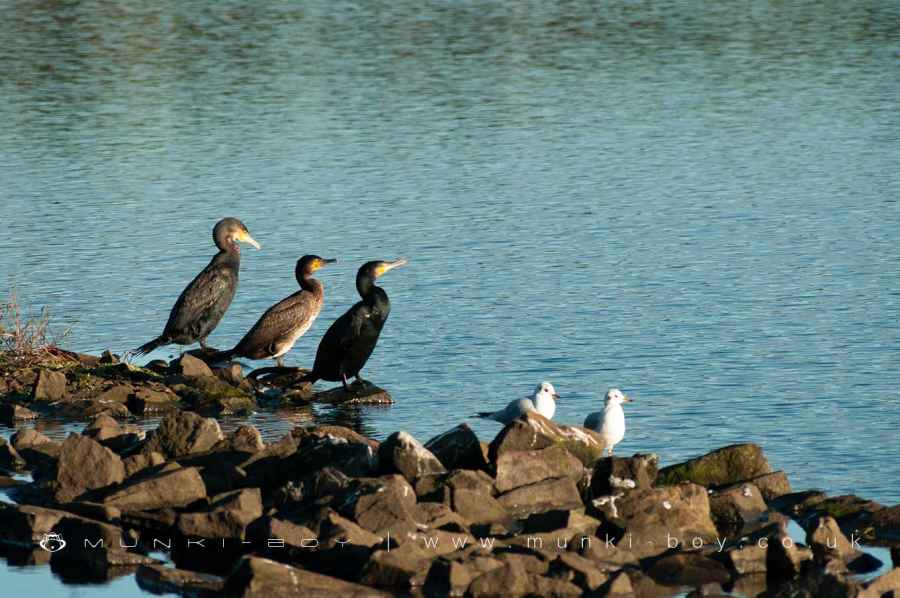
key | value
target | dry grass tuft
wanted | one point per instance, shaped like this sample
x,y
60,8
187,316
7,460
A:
x,y
26,336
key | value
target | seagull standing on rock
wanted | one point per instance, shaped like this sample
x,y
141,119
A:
x,y
609,423
543,401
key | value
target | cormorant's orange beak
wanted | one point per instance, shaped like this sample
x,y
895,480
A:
x,y
388,266
245,237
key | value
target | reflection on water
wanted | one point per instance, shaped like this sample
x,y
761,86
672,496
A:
x,y
696,202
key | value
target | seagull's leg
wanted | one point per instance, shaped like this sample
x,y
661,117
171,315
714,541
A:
x,y
279,361
344,381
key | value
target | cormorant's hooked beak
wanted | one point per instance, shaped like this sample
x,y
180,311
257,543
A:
x,y
245,237
324,262
388,266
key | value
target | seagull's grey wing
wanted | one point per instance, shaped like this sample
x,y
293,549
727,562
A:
x,y
513,410
594,421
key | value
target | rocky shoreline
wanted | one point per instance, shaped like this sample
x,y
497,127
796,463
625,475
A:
x,y
327,511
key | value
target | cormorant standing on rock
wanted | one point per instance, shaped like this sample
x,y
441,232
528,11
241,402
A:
x,y
278,329
206,299
350,340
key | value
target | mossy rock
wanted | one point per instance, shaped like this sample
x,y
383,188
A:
x,y
208,390
125,371
724,466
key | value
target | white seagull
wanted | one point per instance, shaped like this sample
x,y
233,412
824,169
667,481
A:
x,y
609,423
543,401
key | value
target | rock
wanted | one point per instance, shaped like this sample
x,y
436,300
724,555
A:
x,y
618,585
895,555
849,510
190,367
281,534
159,579
26,525
521,468
39,452
886,586
351,458
563,523
396,568
117,393
887,523
232,374
772,485
554,587
177,488
11,414
558,493
722,467
227,516
85,465
828,542
582,571
379,504
102,427
208,394
533,431
403,454
310,434
509,580
147,400
246,439
736,507
158,366
27,438
182,433
360,393
10,459
141,461
108,357
661,518
746,560
613,474
784,558
448,577
477,507
256,577
49,386
688,569
458,448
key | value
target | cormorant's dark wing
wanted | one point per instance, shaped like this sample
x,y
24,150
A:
x,y
290,316
203,302
338,339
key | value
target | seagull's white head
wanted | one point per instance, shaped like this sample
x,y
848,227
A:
x,y
545,390
614,396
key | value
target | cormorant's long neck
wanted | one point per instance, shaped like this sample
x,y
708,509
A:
x,y
310,284
372,295
228,255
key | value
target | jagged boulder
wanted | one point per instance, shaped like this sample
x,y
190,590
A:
x,y
533,431
256,577
227,516
546,495
613,474
175,488
403,454
84,464
458,448
521,468
736,507
721,467
182,433
190,367
49,386
661,518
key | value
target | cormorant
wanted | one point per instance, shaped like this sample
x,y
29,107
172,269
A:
x,y
205,300
278,329
350,340
543,401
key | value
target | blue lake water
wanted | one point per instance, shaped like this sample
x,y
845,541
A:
x,y
694,202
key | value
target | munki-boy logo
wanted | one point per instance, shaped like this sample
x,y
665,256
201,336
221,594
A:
x,y
52,542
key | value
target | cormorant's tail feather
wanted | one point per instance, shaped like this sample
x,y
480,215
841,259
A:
x,y
148,347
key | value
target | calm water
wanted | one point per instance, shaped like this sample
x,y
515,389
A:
x,y
694,202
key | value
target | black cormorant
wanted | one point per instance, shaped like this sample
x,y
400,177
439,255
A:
x,y
278,329
350,340
203,302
